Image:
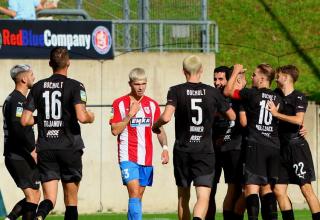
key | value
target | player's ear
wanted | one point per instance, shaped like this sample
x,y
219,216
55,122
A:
x,y
50,64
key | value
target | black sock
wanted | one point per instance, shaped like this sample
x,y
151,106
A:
x,y
287,215
196,218
29,211
71,213
17,209
316,216
44,208
228,215
252,203
237,216
269,207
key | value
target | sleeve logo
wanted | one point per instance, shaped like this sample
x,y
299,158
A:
x,y
19,111
83,96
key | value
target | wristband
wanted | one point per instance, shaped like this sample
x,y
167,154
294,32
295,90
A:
x,y
164,147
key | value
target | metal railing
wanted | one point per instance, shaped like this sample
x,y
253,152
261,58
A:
x,y
165,35
66,12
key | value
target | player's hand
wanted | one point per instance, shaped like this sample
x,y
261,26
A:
x,y
34,155
303,131
156,129
165,157
238,68
134,107
271,107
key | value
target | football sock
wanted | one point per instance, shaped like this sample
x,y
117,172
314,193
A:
x,y
134,209
71,213
228,215
252,203
316,216
269,207
29,211
196,218
237,216
44,208
287,215
17,210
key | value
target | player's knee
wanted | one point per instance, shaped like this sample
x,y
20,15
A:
x,y
307,190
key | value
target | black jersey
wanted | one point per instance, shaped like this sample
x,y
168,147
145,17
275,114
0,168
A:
x,y
195,107
293,103
18,140
54,99
262,127
227,135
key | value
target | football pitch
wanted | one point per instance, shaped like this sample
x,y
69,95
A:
x,y
299,215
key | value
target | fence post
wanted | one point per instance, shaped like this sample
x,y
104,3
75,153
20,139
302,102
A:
x,y
79,4
204,29
144,28
127,36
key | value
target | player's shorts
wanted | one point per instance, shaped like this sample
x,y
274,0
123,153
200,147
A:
x,y
133,171
262,164
24,175
60,164
196,167
296,163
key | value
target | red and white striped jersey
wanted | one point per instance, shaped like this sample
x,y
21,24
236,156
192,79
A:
x,y
135,141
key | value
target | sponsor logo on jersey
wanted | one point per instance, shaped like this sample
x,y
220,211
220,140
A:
x,y
137,122
19,111
83,96
101,40
146,109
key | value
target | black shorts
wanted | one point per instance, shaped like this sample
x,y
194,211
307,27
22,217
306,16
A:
x,y
262,164
196,167
60,164
296,163
24,174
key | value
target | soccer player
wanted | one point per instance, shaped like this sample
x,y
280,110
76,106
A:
x,y
19,145
132,119
263,145
60,103
296,159
227,141
194,105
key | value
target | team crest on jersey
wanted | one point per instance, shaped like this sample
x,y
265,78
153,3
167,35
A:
x,y
137,122
19,111
83,96
146,109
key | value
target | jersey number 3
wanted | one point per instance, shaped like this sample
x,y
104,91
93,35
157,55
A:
x,y
52,105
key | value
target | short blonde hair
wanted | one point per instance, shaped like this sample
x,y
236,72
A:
x,y
192,64
137,74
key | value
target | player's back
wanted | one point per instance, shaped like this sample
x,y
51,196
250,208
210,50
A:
x,y
196,105
54,98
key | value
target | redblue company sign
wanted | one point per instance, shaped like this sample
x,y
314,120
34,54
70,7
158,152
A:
x,y
35,39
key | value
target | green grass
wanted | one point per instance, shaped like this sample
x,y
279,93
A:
x,y
251,32
299,215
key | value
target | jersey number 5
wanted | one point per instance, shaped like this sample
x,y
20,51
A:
x,y
196,120
53,104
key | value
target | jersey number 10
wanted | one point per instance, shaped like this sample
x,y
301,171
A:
x,y
53,104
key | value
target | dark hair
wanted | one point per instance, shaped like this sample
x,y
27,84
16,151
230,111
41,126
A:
x,y
267,70
59,58
224,69
290,70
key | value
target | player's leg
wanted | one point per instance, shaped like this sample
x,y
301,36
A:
x,y
268,203
70,162
201,207
240,207
49,175
16,210
183,203
130,178
30,206
251,193
233,193
280,191
311,199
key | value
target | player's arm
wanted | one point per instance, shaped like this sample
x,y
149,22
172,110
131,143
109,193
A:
x,y
8,12
164,118
27,118
162,137
231,85
118,127
230,114
84,116
293,119
243,118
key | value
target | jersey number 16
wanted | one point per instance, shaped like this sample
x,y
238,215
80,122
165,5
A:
x,y
52,105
